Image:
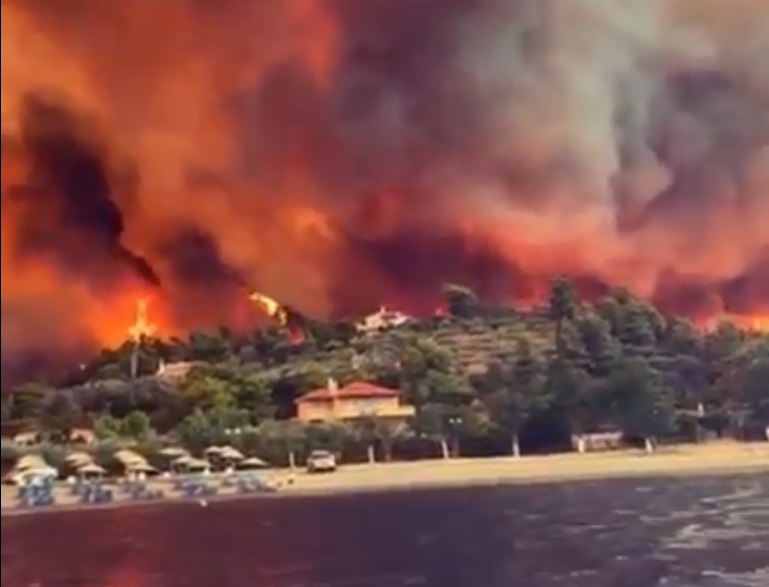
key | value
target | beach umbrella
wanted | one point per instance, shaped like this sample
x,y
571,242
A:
x,y
180,463
78,459
173,452
253,463
142,468
129,457
212,450
196,464
30,461
231,453
32,474
91,469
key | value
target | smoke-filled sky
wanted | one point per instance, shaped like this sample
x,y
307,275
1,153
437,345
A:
x,y
339,154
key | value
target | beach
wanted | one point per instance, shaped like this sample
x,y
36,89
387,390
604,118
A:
x,y
705,459
685,460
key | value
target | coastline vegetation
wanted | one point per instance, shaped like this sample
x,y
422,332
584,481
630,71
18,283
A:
x,y
485,380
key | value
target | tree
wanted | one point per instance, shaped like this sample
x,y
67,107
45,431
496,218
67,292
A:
x,y
562,306
642,403
5,404
289,436
755,390
373,431
106,427
636,332
437,422
205,391
26,401
197,431
601,348
253,394
516,391
136,425
330,436
461,301
208,347
60,413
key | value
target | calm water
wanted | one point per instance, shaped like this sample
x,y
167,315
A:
x,y
703,532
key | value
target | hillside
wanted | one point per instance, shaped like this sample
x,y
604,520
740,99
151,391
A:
x,y
480,373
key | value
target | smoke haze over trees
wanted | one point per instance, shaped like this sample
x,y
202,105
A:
x,y
348,153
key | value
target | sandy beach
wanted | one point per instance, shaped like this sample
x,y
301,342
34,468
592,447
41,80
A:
x,y
707,459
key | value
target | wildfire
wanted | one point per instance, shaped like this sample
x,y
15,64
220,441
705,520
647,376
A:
x,y
184,170
271,307
141,327
756,323
761,323
281,315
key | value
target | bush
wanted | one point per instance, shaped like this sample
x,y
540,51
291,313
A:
x,y
150,448
53,454
10,455
103,452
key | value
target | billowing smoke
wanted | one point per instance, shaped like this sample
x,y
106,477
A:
x,y
339,154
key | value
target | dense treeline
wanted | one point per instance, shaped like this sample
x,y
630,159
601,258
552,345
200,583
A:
x,y
484,380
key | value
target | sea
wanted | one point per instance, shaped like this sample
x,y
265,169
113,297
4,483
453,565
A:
x,y
692,532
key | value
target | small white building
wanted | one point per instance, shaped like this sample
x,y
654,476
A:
x,y
382,319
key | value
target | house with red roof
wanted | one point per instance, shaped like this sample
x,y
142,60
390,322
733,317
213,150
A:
x,y
353,401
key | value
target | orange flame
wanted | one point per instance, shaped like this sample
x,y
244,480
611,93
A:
x,y
278,312
271,307
761,323
141,327
756,323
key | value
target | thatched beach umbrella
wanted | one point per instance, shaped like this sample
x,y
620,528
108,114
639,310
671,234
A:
x,y
33,474
253,463
213,450
30,461
78,459
142,468
173,452
91,470
196,465
231,454
179,464
128,457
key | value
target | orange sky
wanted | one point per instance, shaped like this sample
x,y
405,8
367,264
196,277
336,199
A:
x,y
341,154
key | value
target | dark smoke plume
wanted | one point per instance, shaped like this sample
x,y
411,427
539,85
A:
x,y
67,210
340,154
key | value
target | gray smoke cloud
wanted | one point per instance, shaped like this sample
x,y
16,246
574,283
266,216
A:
x,y
411,142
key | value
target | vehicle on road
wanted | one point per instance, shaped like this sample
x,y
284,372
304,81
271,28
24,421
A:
x,y
321,461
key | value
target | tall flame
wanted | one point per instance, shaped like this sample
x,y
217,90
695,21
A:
x,y
271,307
141,327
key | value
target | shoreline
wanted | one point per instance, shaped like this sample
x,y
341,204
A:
x,y
721,459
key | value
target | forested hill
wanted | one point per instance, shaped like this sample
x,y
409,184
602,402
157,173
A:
x,y
478,372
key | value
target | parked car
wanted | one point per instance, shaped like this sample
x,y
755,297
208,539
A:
x,y
321,461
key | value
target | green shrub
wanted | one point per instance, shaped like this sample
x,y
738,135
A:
x,y
53,454
10,455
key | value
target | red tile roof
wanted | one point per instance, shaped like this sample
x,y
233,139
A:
x,y
354,390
